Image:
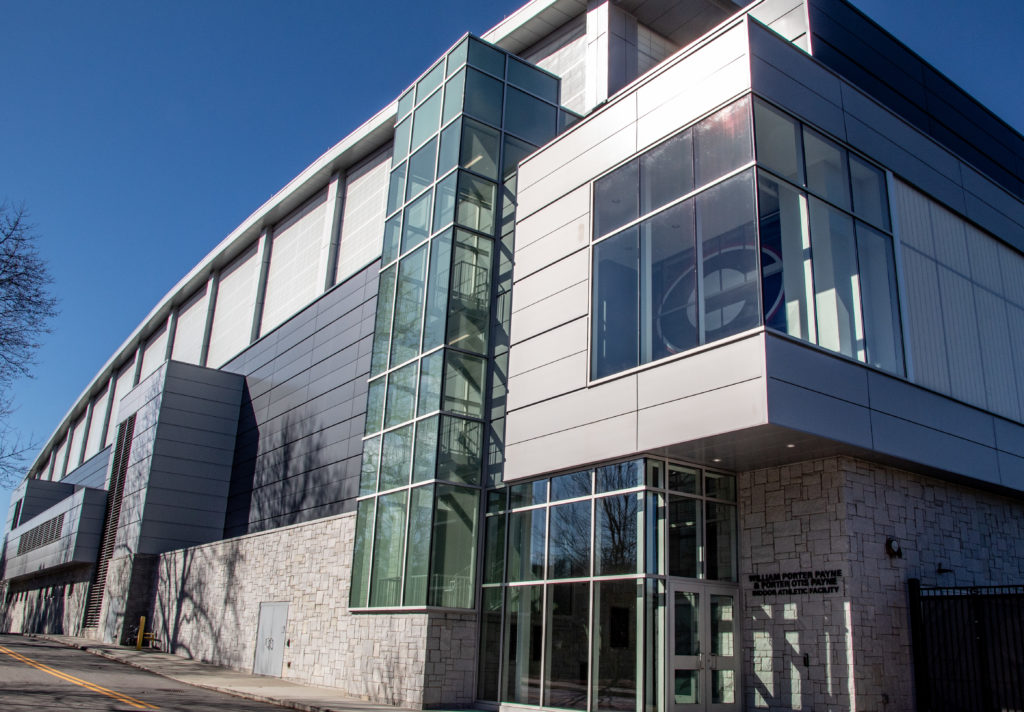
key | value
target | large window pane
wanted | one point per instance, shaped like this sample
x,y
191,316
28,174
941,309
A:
x,y
459,452
454,91
615,645
483,97
720,550
475,203
615,317
486,57
396,453
786,282
453,550
568,634
836,288
426,119
375,405
615,534
533,80
401,400
617,199
388,549
870,199
669,283
575,484
480,148
622,475
448,154
494,549
360,589
417,559
401,147
526,545
666,172
528,118
430,81
464,384
569,541
405,341
684,534
396,188
728,270
431,369
826,169
882,329
436,316
469,309
382,320
421,169
524,624
416,222
424,460
392,239
368,469
490,643
722,142
778,143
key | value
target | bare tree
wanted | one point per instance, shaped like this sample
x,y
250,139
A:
x,y
26,308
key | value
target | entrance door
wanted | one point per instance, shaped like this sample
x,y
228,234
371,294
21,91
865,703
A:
x,y
703,654
270,639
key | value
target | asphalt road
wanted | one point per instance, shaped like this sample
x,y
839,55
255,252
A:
x,y
39,675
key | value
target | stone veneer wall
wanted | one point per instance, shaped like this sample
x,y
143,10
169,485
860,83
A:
x,y
51,603
207,607
837,513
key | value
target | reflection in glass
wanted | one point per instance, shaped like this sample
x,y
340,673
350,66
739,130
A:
x,y
483,97
533,80
684,528
388,550
615,318
368,470
396,188
666,172
426,119
723,687
490,643
720,549
416,222
486,57
686,690
395,458
686,615
475,203
568,541
526,545
454,91
523,634
405,102
574,484
617,199
494,549
836,286
448,154
785,259
728,270
421,169
568,626
429,398
469,310
621,475
424,458
392,239
720,486
881,300
778,142
668,283
361,553
417,558
453,552
401,399
615,534
870,199
401,146
826,169
615,645
529,118
459,452
683,479
722,142
480,149
375,404
430,81
435,317
405,340
528,493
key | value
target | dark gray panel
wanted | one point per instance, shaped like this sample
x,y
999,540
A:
x,y
818,414
1009,437
810,368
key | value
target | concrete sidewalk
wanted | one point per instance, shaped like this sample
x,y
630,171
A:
x,y
273,690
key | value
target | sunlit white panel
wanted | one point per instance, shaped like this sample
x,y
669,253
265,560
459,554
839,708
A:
x,y
121,388
77,435
58,460
99,410
191,325
565,55
232,314
362,224
154,351
292,279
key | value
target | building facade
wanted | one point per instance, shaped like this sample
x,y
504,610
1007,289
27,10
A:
x,y
640,356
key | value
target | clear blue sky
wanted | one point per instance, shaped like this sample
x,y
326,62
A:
x,y
139,134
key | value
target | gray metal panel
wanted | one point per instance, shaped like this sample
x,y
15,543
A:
x,y
92,472
963,347
816,413
985,253
805,366
997,356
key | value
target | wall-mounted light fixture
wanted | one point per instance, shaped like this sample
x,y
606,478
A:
x,y
893,548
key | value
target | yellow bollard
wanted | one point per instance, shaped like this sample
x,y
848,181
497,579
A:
x,y
142,630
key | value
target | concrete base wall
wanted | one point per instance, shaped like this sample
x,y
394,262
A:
x,y
52,603
830,519
207,607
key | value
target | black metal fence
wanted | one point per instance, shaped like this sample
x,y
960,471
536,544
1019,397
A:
x,y
968,648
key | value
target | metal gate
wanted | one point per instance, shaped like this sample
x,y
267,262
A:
x,y
270,639
968,648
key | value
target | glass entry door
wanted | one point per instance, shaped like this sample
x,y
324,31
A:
x,y
703,647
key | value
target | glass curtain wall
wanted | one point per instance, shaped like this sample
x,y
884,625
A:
x,y
460,132
682,258
578,565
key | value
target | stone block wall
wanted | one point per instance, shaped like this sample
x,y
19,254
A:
x,y
817,580
50,603
207,607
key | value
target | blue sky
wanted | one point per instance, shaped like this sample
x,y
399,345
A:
x,y
139,134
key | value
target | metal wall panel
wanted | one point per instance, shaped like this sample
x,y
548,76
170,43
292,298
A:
x,y
154,351
362,224
232,317
922,311
99,413
963,347
190,328
996,354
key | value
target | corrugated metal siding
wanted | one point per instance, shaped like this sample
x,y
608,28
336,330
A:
x,y
924,321
963,347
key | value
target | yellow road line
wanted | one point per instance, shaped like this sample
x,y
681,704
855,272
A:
x,y
120,697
